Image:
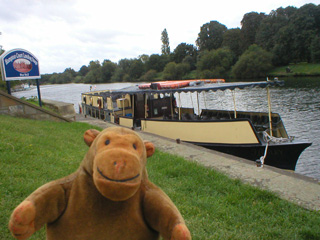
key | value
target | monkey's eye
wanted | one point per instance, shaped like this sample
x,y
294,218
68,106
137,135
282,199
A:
x,y
134,146
107,142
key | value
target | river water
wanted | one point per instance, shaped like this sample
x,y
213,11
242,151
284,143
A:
x,y
297,102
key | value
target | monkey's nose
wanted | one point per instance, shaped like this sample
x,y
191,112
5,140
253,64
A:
x,y
119,165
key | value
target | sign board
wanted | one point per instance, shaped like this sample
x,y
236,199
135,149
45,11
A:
x,y
19,64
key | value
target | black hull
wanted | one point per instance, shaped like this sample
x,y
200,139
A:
x,y
284,156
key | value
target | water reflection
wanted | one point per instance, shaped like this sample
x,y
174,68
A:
x,y
298,103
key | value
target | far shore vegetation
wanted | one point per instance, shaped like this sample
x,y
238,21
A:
x,y
285,42
214,206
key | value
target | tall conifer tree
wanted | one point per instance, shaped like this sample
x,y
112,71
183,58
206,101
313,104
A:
x,y
165,48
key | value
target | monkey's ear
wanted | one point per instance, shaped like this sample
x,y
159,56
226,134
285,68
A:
x,y
90,135
149,148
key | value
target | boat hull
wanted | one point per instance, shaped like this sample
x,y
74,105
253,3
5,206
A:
x,y
236,137
284,155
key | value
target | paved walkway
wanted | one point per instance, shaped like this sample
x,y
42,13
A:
x,y
291,186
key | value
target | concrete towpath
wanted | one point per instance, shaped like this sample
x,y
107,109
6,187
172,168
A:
x,y
296,188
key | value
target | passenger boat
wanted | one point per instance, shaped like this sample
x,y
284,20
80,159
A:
x,y
153,108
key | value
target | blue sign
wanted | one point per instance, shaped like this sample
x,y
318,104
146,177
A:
x,y
19,64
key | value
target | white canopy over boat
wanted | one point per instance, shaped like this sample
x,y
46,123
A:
x,y
199,88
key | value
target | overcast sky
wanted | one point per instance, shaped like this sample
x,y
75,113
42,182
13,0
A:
x,y
71,33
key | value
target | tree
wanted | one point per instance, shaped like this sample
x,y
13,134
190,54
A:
x,y
124,65
95,74
67,76
108,69
83,70
191,61
157,62
57,78
211,36
136,69
293,42
45,78
181,70
174,71
304,25
169,72
144,58
253,63
165,48
317,18
250,24
283,52
127,70
270,26
182,51
94,65
218,62
118,75
315,49
121,73
71,71
231,40
149,76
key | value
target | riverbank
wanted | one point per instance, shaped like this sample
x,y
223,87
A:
x,y
213,205
296,70
302,190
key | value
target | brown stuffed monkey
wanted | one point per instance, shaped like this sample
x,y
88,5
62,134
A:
x,y
109,197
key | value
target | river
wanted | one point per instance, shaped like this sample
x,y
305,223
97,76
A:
x,y
297,102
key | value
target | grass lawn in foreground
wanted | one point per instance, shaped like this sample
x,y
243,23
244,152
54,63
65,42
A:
x,y
214,206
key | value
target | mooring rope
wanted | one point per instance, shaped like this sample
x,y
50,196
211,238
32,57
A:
x,y
273,139
267,138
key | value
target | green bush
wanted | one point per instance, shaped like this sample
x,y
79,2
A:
x,y
215,63
254,63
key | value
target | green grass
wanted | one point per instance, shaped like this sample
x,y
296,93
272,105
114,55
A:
x,y
300,69
214,206
35,101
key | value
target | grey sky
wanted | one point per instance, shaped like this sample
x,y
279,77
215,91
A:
x,y
71,33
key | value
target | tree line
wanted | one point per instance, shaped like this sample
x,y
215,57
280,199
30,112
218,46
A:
x,y
264,41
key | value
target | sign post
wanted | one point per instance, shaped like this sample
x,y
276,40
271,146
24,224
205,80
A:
x,y
39,95
19,64
8,87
